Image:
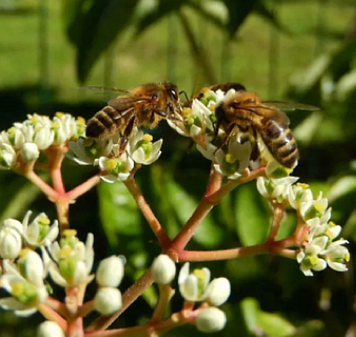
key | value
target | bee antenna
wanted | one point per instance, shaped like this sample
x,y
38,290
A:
x,y
185,94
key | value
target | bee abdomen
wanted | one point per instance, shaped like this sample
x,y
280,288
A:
x,y
103,123
281,143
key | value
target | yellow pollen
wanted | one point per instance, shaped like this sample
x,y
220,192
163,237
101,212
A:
x,y
55,125
24,252
314,260
81,120
65,251
199,273
319,207
331,224
110,164
17,289
33,119
302,185
347,257
186,112
329,234
229,158
11,130
147,138
44,220
59,114
212,108
69,233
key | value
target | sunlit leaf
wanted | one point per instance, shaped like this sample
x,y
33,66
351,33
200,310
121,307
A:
x,y
252,217
250,309
342,187
275,325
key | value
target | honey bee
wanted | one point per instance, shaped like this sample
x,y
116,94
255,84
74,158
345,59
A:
x,y
225,87
246,112
145,105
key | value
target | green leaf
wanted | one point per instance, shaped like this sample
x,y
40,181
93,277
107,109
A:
x,y
250,309
118,211
93,26
269,15
342,187
251,215
275,325
208,233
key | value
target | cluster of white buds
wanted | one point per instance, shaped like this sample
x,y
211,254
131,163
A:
x,y
196,287
23,142
15,235
106,154
234,157
319,248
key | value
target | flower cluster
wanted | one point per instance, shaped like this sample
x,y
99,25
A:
x,y
23,142
231,156
196,287
319,248
105,153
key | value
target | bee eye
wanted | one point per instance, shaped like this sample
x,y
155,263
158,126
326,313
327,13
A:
x,y
154,96
173,94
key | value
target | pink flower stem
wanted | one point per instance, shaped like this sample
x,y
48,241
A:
x,y
233,253
84,187
52,315
206,204
42,185
165,294
150,329
56,156
278,213
128,298
57,306
146,210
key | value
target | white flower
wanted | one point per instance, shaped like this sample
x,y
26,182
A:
x,y
7,156
39,232
10,241
110,272
210,320
163,269
193,287
85,151
275,188
299,193
219,291
43,137
31,267
29,152
237,158
315,209
142,150
73,260
117,169
337,255
49,329
25,294
14,137
107,301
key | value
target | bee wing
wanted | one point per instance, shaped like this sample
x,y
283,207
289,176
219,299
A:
x,y
290,106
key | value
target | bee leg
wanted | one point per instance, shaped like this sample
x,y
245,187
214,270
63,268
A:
x,y
255,154
228,136
126,136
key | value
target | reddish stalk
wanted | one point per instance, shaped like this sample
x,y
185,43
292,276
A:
x,y
146,210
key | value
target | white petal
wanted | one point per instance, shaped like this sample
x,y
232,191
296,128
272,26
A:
x,y
189,288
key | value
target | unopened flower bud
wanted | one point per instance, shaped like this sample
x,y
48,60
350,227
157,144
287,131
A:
x,y
107,301
10,243
31,266
219,291
7,156
49,329
163,269
29,152
211,320
110,272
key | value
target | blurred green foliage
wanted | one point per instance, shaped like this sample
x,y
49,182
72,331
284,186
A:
x,y
300,50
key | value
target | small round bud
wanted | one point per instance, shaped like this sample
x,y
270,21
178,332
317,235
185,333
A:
x,y
110,272
10,243
163,269
49,328
29,152
107,301
211,320
219,290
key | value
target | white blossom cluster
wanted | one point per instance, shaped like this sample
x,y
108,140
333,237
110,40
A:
x,y
105,154
320,247
230,160
68,262
24,141
196,287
